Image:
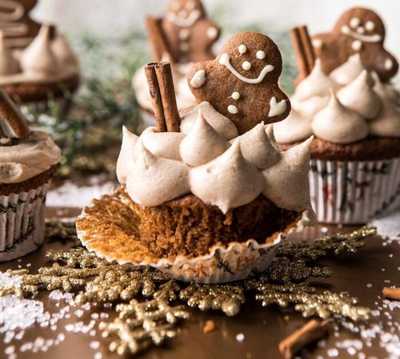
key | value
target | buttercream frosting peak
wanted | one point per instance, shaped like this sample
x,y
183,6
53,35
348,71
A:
x,y
347,72
338,124
359,96
295,127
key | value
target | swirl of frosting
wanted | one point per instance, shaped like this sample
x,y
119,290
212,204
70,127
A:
x,y
349,71
338,124
202,144
258,146
388,123
286,183
315,84
38,58
129,141
8,63
28,158
163,144
229,181
360,97
295,127
63,52
152,180
310,106
386,92
223,125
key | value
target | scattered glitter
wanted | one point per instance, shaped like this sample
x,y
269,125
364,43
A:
x,y
369,285
240,337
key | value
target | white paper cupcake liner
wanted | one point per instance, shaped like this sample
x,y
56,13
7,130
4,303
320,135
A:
x,y
354,192
222,264
22,222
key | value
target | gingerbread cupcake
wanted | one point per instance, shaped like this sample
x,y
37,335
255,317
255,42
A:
x,y
353,112
28,160
36,62
182,36
207,204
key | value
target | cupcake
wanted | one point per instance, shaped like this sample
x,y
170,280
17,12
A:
x,y
353,113
182,36
46,68
28,160
206,204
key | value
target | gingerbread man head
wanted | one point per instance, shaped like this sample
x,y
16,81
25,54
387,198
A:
x,y
242,82
358,30
190,34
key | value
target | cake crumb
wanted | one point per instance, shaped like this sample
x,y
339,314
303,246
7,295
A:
x,y
209,327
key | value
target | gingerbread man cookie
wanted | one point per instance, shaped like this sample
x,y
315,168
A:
x,y
358,30
242,82
15,23
188,31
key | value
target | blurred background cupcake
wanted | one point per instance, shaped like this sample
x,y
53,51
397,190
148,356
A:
x,y
28,161
353,112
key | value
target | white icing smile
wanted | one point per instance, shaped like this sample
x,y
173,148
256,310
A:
x,y
226,61
184,22
364,38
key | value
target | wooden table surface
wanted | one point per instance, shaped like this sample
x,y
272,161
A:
x,y
262,328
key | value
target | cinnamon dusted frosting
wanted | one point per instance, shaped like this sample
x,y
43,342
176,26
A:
x,y
221,171
184,97
28,158
48,58
359,106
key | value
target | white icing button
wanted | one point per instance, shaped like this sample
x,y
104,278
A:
x,y
345,29
317,43
370,26
246,66
242,49
184,34
212,32
235,95
356,45
388,64
354,22
198,79
233,109
360,30
260,55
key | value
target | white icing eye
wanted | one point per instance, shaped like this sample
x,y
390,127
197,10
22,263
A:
x,y
345,29
370,26
246,66
235,95
354,22
242,49
360,30
260,55
233,109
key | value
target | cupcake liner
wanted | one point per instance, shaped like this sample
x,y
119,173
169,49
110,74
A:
x,y
107,227
22,222
353,192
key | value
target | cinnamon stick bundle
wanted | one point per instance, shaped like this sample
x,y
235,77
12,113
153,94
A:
x,y
12,122
162,92
158,40
304,50
309,333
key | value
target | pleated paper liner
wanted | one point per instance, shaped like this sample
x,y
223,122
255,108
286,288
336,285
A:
x,y
22,222
109,228
354,192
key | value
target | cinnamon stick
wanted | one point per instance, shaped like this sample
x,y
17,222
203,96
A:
x,y
391,293
304,50
158,40
12,122
155,96
167,90
309,333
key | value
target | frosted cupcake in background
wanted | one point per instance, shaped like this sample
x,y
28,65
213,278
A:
x,y
182,36
355,119
28,160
